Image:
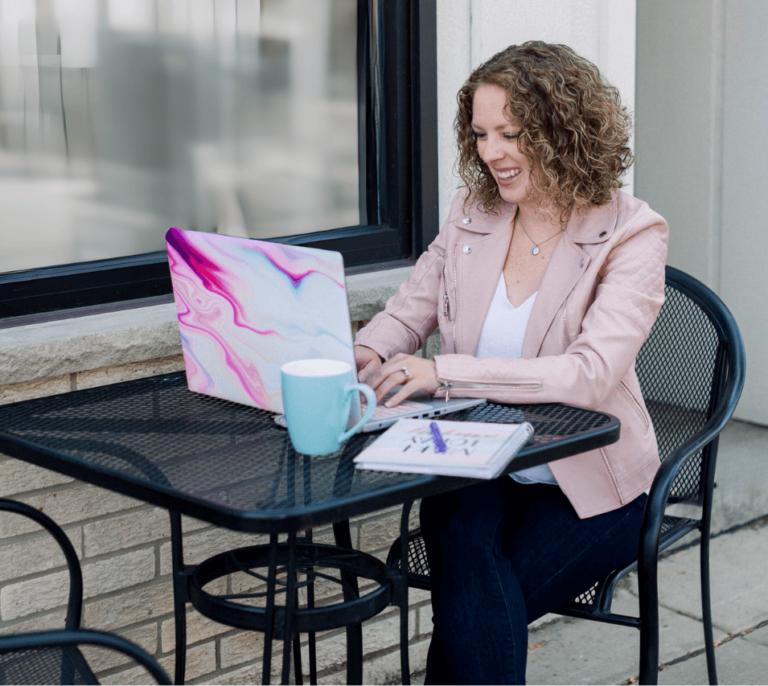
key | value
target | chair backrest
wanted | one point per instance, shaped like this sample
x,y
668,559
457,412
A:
x,y
691,371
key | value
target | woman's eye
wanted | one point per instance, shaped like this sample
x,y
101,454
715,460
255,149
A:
x,y
477,135
510,136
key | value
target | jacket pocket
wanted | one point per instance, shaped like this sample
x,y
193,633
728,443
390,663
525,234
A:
x,y
634,403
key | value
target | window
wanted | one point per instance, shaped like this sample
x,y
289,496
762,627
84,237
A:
x,y
304,121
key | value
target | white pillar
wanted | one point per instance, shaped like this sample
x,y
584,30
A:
x,y
702,155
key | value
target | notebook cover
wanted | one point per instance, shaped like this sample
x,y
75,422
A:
x,y
477,450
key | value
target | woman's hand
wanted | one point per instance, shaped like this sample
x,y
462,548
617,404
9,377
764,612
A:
x,y
367,362
421,376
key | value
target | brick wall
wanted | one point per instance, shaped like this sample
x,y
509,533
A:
x,y
124,548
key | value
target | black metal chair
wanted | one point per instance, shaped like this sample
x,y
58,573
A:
x,y
54,657
691,371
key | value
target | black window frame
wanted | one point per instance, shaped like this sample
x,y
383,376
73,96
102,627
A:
x,y
397,155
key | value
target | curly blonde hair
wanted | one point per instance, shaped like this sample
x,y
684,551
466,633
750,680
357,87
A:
x,y
573,127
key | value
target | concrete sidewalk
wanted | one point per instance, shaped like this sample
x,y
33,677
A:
x,y
571,651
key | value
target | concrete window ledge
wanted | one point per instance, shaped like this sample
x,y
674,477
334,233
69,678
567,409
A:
x,y
56,357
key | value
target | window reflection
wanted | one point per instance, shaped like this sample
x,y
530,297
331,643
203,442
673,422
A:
x,y
120,118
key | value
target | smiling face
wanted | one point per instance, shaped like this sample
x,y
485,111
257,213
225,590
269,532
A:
x,y
496,138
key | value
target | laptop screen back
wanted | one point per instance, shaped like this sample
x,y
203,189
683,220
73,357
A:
x,y
245,307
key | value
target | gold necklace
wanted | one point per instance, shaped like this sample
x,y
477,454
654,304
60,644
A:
x,y
535,248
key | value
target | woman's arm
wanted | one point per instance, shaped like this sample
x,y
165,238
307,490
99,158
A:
x,y
627,301
385,346
411,314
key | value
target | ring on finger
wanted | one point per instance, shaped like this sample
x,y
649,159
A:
x,y
406,372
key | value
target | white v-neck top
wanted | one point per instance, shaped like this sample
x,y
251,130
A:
x,y
505,324
502,336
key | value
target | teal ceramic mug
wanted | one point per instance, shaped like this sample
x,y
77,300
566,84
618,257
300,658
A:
x,y
317,397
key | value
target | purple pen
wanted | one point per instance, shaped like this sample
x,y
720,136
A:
x,y
440,446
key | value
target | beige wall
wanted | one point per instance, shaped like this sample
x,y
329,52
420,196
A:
x,y
702,154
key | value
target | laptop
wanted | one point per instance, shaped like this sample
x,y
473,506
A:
x,y
245,307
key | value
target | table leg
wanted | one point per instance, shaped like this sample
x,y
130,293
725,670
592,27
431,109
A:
x,y
270,611
297,671
311,639
311,642
180,596
290,598
351,591
401,593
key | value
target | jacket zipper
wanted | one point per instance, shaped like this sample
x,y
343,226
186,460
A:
x,y
448,385
446,299
565,322
634,402
613,476
455,296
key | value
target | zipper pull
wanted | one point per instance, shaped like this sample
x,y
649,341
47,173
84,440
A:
x,y
446,306
447,385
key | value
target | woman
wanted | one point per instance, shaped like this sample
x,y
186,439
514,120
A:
x,y
545,282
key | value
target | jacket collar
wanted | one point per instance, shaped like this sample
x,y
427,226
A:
x,y
484,222
479,260
593,225
568,263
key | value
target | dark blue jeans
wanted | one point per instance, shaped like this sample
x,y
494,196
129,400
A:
x,y
502,554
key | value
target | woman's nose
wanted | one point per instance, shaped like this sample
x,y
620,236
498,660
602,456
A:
x,y
493,150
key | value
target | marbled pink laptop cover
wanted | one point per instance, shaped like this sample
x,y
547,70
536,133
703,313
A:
x,y
246,307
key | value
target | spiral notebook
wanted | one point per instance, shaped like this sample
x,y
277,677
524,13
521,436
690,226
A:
x,y
477,450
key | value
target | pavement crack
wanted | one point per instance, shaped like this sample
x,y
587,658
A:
x,y
682,613
700,651
756,523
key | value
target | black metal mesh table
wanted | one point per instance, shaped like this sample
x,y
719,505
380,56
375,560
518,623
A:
x,y
232,466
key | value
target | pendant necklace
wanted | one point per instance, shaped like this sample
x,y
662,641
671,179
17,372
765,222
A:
x,y
535,248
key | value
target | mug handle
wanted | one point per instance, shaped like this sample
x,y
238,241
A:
x,y
370,396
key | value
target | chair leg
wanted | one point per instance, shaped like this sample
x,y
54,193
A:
x,y
649,623
706,610
649,650
297,670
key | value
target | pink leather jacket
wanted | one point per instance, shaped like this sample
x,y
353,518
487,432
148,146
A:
x,y
598,299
